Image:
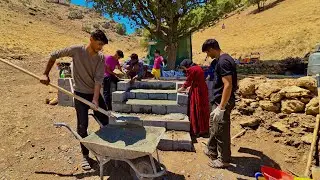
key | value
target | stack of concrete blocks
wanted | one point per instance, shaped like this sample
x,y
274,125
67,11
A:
x,y
150,97
64,99
209,85
152,102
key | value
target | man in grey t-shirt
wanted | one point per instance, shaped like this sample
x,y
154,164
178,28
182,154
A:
x,y
88,74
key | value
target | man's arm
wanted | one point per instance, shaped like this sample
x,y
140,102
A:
x,y
110,72
67,52
119,67
98,80
125,64
96,94
49,66
227,90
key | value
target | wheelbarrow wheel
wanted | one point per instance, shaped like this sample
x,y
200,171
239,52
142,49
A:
x,y
143,165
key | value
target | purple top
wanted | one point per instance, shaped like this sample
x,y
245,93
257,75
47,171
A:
x,y
111,63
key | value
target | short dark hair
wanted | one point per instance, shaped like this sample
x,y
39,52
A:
x,y
157,51
99,35
134,56
210,43
120,53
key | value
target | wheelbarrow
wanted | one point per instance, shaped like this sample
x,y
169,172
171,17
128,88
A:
x,y
130,143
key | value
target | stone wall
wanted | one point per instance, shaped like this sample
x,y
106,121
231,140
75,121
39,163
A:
x,y
286,66
278,95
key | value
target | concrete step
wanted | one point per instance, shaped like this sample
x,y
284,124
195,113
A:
x,y
151,102
174,121
146,84
176,141
152,94
149,106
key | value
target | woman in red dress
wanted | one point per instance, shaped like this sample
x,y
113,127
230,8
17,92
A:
x,y
198,106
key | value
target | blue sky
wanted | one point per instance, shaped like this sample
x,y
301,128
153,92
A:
x,y
119,19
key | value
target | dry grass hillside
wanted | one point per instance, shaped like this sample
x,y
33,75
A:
x,y
36,27
288,28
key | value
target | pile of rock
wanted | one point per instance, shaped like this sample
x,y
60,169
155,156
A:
x,y
286,95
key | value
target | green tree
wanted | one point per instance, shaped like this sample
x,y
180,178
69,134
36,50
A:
x,y
121,29
166,20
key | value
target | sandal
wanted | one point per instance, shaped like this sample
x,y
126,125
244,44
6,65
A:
x,y
211,155
85,164
218,164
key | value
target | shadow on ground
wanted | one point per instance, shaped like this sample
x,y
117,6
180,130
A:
x,y
248,166
119,172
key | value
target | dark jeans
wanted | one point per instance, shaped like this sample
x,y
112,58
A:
x,y
220,141
82,116
107,90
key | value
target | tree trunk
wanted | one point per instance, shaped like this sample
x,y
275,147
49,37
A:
x,y
259,8
172,43
172,54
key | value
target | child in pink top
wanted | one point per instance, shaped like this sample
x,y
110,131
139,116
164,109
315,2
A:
x,y
158,60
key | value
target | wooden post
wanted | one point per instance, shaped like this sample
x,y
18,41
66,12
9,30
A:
x,y
315,133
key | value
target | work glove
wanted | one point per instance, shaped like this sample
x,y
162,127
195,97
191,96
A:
x,y
217,114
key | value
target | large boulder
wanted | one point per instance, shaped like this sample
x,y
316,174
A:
x,y
254,105
247,87
75,14
308,82
292,92
244,108
250,122
275,97
292,106
312,108
279,127
264,90
248,101
305,100
269,106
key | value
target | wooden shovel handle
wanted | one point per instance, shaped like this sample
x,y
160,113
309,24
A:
x,y
315,134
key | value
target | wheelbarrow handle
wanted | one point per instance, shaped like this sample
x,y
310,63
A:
x,y
76,135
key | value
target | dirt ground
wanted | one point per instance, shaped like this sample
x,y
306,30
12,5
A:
x,y
32,148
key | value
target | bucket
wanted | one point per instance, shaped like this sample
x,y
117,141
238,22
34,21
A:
x,y
275,174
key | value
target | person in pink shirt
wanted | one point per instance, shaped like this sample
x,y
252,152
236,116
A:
x,y
111,63
158,60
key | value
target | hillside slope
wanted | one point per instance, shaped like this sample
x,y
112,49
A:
x,y
38,27
289,28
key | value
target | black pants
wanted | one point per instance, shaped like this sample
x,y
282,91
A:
x,y
107,90
220,141
82,116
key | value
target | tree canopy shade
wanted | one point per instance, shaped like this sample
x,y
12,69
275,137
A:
x,y
166,20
